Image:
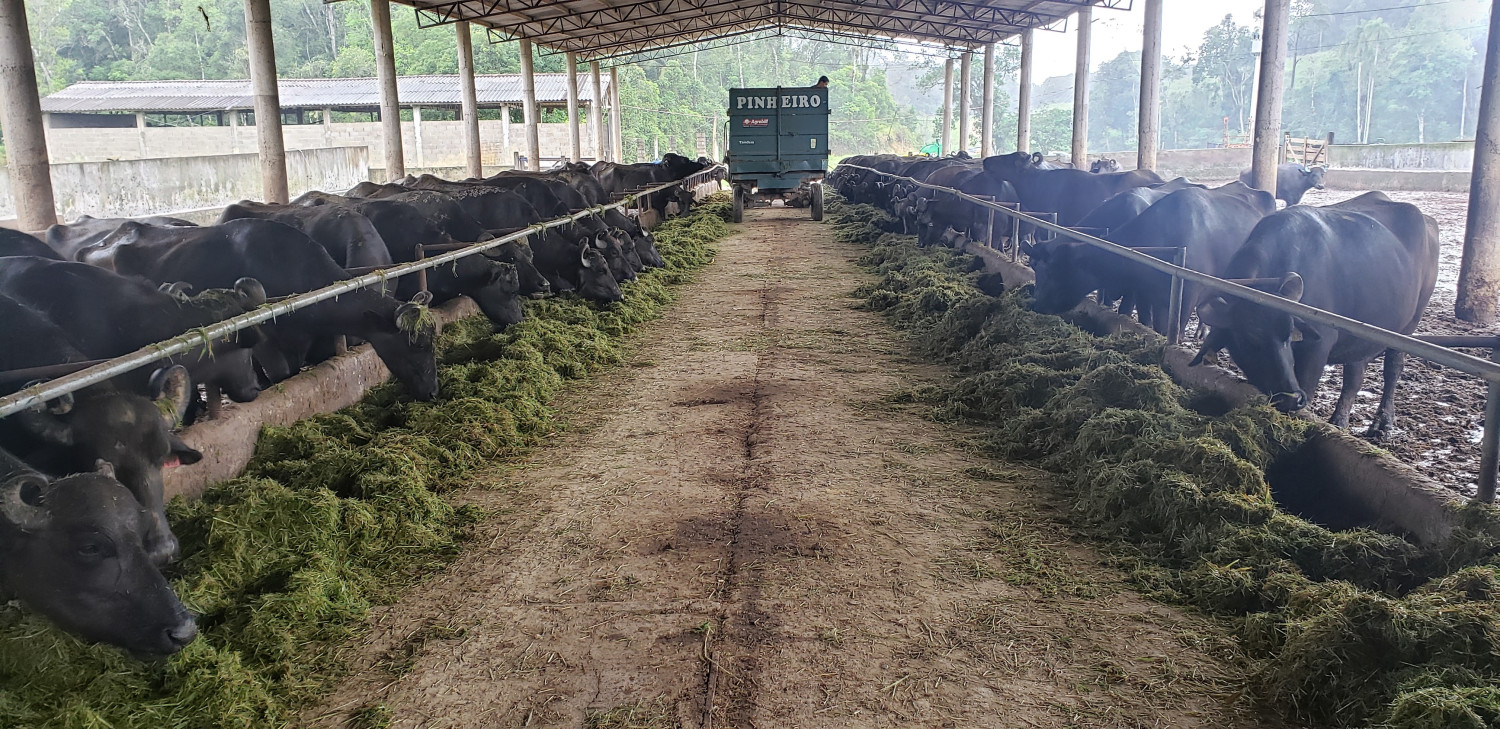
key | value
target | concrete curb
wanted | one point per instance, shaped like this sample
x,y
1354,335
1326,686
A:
x,y
1377,488
228,442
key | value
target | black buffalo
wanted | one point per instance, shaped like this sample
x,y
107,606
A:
x,y
71,239
1369,259
76,553
1293,181
349,237
1069,193
16,243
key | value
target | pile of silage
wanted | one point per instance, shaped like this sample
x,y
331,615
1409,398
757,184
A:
x,y
1349,628
335,514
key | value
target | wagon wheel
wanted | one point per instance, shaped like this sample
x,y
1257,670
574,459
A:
x,y
817,201
739,204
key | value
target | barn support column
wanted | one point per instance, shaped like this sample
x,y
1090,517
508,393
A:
x,y
416,135
267,101
21,116
616,121
987,117
1268,97
596,111
469,103
528,84
965,79
390,102
1479,275
575,136
1023,96
1148,130
1081,91
945,138
140,134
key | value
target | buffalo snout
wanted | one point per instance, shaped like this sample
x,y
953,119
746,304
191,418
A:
x,y
1289,402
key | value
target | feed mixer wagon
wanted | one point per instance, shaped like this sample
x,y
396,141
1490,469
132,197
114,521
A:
x,y
778,146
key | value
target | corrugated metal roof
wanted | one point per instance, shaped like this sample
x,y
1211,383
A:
x,y
313,93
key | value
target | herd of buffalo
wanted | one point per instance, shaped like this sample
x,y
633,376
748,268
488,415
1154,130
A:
x,y
83,529
1369,258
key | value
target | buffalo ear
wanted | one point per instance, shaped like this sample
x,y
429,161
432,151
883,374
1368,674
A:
x,y
186,454
20,502
250,292
1036,158
1291,287
172,390
1214,313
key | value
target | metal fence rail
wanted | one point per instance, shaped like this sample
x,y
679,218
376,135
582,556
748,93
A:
x,y
205,336
1487,370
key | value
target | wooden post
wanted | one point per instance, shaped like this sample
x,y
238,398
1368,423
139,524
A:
x,y
1023,95
1268,98
987,113
1081,91
596,111
575,136
965,77
528,84
1479,275
21,117
945,138
1148,131
473,157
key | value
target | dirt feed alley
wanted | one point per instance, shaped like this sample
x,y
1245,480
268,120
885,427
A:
x,y
748,527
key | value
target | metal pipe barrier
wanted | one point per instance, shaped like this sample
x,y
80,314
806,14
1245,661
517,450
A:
x,y
1487,370
203,337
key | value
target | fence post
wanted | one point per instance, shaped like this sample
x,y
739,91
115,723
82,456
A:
x,y
1015,236
1174,310
1489,445
989,226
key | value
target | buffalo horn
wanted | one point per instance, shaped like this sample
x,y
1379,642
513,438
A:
x,y
422,298
178,290
252,293
1291,287
172,387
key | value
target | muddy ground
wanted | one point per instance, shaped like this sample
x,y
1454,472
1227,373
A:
x,y
751,526
1440,411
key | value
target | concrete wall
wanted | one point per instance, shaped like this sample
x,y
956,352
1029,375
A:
x,y
1439,156
154,186
442,141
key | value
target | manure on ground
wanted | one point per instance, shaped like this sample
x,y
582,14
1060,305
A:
x,y
1347,628
336,513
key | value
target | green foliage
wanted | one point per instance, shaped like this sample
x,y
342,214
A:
x,y
334,514
1350,628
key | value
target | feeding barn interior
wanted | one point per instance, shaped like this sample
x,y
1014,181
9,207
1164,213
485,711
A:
x,y
510,432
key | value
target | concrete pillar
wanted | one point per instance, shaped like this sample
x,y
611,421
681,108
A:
x,y
575,136
616,118
596,111
1023,96
1479,275
390,102
327,127
1268,99
528,84
965,77
1148,121
234,131
140,134
21,117
268,139
416,134
1081,90
505,127
469,104
945,139
987,118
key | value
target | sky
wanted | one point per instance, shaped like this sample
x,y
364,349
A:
x,y
1116,31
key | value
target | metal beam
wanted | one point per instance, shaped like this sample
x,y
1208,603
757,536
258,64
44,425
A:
x,y
473,158
21,116
390,102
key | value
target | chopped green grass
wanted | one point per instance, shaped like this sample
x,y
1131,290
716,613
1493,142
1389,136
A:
x,y
335,514
1348,628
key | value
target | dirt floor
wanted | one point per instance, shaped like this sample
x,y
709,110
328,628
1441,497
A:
x,y
750,526
1440,411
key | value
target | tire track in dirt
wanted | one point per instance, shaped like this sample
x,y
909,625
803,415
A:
x,y
752,525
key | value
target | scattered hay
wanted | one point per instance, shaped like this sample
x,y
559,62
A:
x,y
336,513
1347,628
657,714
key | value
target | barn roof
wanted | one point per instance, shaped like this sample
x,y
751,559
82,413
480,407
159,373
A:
x,y
319,93
606,29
